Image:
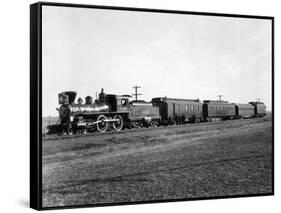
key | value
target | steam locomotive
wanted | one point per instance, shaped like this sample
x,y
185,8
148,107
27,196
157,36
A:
x,y
110,111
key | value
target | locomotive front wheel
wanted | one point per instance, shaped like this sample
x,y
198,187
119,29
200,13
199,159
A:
x,y
83,131
118,125
102,126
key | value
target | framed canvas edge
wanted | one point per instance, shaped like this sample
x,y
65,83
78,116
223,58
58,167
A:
x,y
36,102
138,9
35,107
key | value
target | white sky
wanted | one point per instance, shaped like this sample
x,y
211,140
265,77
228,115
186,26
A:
x,y
174,55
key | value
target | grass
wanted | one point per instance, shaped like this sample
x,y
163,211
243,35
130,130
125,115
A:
x,y
232,158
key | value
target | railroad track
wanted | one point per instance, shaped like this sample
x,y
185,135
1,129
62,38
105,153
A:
x,y
111,132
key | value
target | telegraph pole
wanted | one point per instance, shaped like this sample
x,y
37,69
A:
x,y
136,91
220,97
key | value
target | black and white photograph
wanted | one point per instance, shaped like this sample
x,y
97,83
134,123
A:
x,y
145,106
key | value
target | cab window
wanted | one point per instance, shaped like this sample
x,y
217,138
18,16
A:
x,y
124,102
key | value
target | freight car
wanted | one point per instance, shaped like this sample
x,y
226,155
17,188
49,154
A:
x,y
107,111
178,111
259,108
244,111
213,110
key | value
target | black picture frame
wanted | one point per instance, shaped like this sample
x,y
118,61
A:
x,y
36,99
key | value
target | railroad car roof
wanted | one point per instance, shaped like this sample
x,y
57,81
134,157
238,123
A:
x,y
175,99
214,101
256,102
245,105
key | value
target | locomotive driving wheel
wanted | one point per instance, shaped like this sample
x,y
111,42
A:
x,y
118,125
70,131
102,124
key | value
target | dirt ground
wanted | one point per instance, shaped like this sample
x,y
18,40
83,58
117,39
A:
x,y
223,159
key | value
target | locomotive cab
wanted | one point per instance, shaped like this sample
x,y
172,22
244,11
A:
x,y
117,103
